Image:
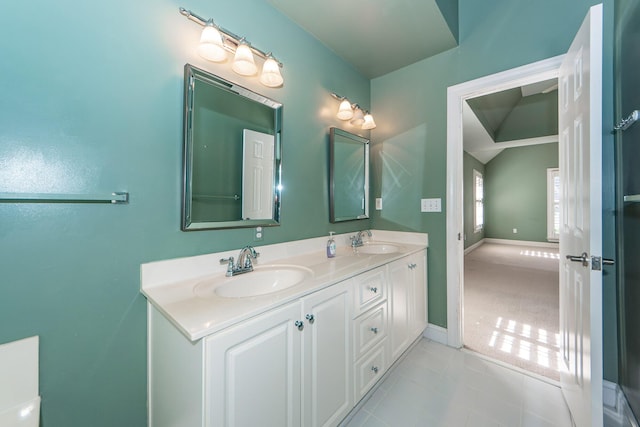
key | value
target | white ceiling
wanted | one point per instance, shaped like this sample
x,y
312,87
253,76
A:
x,y
375,36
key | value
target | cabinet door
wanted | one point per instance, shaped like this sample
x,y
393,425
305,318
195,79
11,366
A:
x,y
253,372
401,305
327,364
418,316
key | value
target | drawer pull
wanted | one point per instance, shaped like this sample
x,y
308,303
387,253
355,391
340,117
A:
x,y
374,330
374,290
299,324
310,318
374,369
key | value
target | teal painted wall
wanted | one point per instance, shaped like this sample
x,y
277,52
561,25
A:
x,y
516,192
410,110
92,102
469,163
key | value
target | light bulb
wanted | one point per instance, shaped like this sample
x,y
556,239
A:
x,y
369,123
211,46
358,118
271,76
344,111
243,62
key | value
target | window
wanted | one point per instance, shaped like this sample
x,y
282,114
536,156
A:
x,y
478,198
553,204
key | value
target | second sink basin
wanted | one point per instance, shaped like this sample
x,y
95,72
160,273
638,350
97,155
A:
x,y
263,280
378,248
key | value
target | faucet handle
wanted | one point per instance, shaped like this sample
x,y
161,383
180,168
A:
x,y
229,262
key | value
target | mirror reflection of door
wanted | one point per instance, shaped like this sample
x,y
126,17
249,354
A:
x,y
257,174
349,179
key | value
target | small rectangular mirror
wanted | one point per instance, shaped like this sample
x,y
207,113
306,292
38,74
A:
x,y
348,176
232,155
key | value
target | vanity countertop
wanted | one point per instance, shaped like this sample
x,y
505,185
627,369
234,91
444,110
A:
x,y
170,285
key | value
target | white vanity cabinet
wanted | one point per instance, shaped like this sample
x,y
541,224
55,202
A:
x,y
306,362
408,299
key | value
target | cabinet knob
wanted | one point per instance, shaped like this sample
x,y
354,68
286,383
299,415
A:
x,y
374,330
299,324
310,318
374,290
412,265
374,369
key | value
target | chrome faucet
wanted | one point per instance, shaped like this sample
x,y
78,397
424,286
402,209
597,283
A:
x,y
244,264
356,241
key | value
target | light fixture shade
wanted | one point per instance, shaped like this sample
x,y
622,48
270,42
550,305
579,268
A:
x,y
243,62
271,76
344,111
369,123
211,46
358,118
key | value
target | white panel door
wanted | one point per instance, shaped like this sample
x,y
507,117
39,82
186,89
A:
x,y
257,175
253,372
327,360
580,128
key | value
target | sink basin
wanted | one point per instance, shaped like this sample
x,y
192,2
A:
x,y
378,248
261,281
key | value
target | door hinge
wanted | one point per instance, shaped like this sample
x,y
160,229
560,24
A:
x,y
597,262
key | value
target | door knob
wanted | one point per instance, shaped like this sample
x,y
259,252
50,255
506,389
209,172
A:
x,y
584,259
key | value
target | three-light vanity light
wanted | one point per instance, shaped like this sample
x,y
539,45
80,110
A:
x,y
353,112
216,43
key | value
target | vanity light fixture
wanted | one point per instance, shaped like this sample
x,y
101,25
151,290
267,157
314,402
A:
x,y
353,112
215,42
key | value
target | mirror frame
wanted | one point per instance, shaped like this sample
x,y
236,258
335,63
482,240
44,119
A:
x,y
191,75
333,132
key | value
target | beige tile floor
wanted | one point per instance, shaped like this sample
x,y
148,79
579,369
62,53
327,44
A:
x,y
436,385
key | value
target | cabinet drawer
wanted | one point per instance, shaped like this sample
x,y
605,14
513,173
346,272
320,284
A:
x,y
369,329
370,289
370,369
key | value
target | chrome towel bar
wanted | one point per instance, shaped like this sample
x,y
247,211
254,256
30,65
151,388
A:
x,y
113,198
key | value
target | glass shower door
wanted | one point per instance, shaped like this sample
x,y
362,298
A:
x,y
627,32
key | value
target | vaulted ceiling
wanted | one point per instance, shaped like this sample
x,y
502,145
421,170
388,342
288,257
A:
x,y
381,36
377,36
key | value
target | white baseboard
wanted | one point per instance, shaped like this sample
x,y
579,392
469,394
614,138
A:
x,y
617,412
436,333
474,246
521,243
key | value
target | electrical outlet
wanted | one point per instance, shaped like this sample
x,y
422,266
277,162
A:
x,y
379,203
431,205
258,235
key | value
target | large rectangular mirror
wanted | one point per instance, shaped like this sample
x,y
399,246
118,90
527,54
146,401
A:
x,y
348,176
232,155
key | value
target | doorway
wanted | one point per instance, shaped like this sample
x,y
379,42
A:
x,y
511,227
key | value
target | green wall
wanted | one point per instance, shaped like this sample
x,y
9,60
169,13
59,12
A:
x,y
410,109
92,101
469,163
516,192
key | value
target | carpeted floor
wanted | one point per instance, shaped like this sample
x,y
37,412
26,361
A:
x,y
511,306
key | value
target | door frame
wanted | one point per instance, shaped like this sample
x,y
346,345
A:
x,y
456,95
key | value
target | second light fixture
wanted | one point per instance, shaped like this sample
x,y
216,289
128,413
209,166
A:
x,y
353,112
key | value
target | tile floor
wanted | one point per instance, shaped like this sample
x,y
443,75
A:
x,y
438,386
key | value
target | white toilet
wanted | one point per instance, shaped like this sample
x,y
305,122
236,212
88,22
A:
x,y
19,399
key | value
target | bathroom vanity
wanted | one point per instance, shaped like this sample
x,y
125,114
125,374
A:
x,y
302,355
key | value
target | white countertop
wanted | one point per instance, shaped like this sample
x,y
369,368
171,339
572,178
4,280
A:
x,y
169,285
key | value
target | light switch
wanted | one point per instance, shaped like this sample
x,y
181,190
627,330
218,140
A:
x,y
431,205
379,203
